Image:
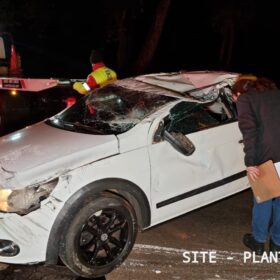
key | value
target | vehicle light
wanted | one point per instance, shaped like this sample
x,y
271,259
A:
x,y
70,101
4,194
14,92
25,200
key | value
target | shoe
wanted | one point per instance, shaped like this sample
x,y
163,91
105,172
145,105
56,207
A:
x,y
273,247
250,242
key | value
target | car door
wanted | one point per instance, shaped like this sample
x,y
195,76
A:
x,y
215,169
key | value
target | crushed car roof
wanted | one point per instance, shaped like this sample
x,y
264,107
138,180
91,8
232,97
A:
x,y
199,86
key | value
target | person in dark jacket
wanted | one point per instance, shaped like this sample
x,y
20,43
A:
x,y
258,107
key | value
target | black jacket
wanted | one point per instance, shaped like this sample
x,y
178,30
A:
x,y
259,123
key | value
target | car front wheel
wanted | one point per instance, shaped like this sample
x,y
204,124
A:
x,y
99,237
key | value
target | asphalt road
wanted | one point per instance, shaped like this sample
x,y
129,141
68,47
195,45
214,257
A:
x,y
204,244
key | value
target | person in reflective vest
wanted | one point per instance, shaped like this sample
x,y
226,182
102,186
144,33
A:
x,y
100,75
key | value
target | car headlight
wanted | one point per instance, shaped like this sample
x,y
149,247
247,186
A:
x,y
24,200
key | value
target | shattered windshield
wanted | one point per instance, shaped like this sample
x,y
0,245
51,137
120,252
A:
x,y
109,110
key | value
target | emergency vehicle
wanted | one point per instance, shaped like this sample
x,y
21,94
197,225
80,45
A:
x,y
24,101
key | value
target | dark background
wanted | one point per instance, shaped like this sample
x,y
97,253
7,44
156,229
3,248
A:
x,y
54,38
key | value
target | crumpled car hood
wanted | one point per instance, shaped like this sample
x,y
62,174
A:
x,y
40,152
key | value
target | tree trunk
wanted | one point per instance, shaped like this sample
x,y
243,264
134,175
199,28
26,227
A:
x,y
230,44
152,40
123,37
227,45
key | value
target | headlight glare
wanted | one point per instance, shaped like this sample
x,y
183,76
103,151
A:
x,y
24,200
4,194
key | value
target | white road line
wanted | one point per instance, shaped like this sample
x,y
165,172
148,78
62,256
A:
x,y
226,255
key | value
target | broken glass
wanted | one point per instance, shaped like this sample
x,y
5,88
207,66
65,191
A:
x,y
110,110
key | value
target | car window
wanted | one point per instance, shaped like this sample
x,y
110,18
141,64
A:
x,y
188,117
229,103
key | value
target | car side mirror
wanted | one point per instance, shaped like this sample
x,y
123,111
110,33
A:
x,y
180,142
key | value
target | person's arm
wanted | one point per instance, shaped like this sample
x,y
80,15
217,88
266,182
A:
x,y
248,126
84,88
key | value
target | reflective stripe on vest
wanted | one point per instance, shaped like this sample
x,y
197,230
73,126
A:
x,y
104,76
85,85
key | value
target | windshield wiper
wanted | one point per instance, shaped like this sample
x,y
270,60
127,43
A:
x,y
59,123
78,127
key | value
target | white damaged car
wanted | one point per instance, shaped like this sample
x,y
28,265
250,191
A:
x,y
78,186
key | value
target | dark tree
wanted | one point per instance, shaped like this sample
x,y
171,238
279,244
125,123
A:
x,y
232,17
153,37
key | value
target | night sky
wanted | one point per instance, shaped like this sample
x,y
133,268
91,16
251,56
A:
x,y
54,39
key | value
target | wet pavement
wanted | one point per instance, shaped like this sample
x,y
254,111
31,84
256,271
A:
x,y
204,244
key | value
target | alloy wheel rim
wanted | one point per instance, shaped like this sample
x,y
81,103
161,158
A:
x,y
103,237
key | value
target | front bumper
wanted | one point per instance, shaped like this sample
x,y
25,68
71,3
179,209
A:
x,y
8,248
28,235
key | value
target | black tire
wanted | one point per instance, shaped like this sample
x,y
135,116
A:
x,y
99,237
